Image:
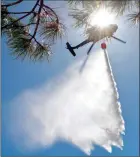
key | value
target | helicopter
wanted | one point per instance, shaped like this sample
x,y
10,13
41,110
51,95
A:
x,y
95,34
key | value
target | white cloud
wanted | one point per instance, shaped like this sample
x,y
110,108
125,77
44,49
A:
x,y
81,108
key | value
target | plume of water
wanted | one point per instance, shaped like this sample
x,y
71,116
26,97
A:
x,y
81,108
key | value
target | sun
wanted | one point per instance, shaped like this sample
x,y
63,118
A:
x,y
102,18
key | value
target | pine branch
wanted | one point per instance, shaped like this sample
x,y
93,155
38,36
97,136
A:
x,y
23,46
81,16
75,2
39,11
57,20
51,31
119,7
22,16
134,17
47,13
22,37
15,12
29,24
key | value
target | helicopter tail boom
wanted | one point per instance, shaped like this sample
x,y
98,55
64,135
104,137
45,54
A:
x,y
70,49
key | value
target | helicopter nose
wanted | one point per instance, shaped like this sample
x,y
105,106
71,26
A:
x,y
115,27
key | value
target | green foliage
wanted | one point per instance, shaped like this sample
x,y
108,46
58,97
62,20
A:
x,y
3,16
81,17
73,2
22,45
34,39
134,17
123,6
118,7
41,52
52,31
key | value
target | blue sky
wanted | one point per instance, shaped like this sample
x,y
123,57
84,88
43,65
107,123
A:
x,y
18,76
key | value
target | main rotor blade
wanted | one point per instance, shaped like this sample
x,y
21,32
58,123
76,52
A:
x,y
118,39
90,48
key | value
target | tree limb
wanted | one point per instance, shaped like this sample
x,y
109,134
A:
x,y
16,12
39,11
57,20
22,16
11,4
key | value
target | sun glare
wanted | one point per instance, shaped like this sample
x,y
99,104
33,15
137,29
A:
x,y
102,18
